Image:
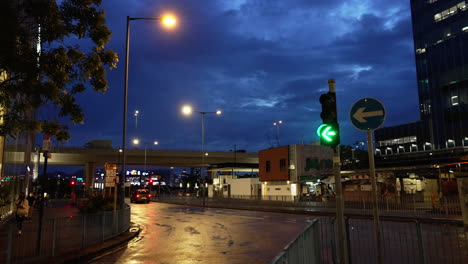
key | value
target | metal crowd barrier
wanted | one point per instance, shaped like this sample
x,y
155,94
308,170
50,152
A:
x,y
60,236
304,249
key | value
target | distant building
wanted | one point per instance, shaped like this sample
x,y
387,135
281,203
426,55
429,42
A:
x,y
294,170
440,31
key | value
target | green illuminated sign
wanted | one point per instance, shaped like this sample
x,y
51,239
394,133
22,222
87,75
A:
x,y
326,132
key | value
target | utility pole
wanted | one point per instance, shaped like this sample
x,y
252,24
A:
x,y
329,133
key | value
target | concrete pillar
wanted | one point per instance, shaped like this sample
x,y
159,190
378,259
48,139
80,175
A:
x,y
90,169
462,183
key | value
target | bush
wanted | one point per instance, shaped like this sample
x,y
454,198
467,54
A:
x,y
97,204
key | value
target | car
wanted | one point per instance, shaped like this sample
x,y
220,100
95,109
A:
x,y
140,195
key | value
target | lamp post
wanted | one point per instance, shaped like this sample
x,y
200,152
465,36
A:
x,y
136,142
168,21
187,110
277,124
136,121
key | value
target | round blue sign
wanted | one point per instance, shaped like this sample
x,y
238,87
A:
x,y
367,114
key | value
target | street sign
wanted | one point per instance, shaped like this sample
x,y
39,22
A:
x,y
47,143
111,175
367,114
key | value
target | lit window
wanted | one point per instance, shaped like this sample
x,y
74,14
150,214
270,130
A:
x,y
454,100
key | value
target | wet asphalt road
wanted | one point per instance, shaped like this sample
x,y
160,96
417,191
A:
x,y
181,234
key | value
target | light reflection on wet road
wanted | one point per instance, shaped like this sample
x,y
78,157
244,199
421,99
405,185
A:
x,y
181,234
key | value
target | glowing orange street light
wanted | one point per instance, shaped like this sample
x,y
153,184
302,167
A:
x,y
168,21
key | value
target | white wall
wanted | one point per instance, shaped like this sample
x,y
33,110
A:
x,y
242,186
280,190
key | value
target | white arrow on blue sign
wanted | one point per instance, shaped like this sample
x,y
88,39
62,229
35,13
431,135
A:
x,y
367,114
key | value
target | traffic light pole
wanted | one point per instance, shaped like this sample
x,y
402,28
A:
x,y
339,192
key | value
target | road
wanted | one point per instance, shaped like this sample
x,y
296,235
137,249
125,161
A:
x,y
181,234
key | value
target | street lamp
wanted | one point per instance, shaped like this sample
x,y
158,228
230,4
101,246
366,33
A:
x,y
136,120
187,110
169,22
136,141
277,124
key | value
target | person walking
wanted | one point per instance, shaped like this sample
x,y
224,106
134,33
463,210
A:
x,y
32,203
22,210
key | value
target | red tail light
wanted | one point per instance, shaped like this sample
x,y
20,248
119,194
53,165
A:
x,y
138,196
149,195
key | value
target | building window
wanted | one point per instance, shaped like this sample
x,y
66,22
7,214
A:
x,y
454,100
268,166
282,164
449,12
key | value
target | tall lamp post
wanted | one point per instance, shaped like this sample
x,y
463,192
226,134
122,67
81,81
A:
x,y
277,124
136,142
136,121
168,21
187,110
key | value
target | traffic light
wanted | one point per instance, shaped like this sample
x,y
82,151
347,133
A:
x,y
150,181
329,131
73,183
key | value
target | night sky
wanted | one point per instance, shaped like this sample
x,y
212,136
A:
x,y
259,61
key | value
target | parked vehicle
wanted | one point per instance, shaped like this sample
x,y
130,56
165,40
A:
x,y
140,195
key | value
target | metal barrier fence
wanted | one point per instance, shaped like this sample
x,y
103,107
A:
x,y
305,249
403,241
61,236
413,205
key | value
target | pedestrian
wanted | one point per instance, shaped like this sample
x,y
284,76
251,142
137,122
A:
x,y
22,209
32,203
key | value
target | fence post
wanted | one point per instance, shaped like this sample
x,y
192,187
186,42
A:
x,y
363,203
420,243
317,253
348,240
386,200
103,221
54,235
83,235
414,205
10,241
446,207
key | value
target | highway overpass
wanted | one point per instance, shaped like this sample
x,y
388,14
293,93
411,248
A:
x,y
160,158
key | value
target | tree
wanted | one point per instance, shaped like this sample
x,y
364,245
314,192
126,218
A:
x,y
353,158
49,79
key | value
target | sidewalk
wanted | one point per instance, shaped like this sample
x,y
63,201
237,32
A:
x,y
24,247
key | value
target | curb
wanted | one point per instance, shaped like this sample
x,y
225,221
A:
x,y
80,256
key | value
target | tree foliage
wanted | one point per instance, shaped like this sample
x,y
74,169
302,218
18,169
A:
x,y
73,35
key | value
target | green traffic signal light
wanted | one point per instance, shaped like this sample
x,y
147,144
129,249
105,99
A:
x,y
328,134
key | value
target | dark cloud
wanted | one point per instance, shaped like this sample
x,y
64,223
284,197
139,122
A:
x,y
259,61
